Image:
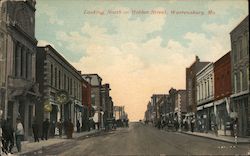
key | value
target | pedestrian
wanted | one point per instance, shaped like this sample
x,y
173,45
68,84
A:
x,y
45,129
176,125
35,128
216,129
60,126
78,126
19,134
52,128
70,129
7,134
192,124
65,126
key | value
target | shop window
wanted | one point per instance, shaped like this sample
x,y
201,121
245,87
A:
x,y
51,74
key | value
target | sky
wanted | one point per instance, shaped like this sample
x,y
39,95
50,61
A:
x,y
139,47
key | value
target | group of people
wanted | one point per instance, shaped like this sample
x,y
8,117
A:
x,y
9,134
67,126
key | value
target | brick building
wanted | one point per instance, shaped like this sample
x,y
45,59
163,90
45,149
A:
x,y
191,84
222,92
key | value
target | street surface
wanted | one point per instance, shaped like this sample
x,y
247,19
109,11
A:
x,y
141,139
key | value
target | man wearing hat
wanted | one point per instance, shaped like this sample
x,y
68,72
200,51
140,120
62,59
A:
x,y
19,134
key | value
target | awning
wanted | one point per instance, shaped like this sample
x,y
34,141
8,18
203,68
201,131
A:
x,y
218,102
199,108
209,105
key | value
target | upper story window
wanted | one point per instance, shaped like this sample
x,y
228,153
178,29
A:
x,y
248,81
241,81
234,52
59,79
56,77
240,48
235,83
51,74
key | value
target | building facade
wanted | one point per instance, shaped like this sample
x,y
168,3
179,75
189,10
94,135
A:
x,y
96,96
19,91
222,87
205,96
191,85
87,108
156,100
61,87
240,97
180,105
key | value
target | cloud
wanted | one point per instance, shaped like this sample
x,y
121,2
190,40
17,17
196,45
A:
x,y
136,66
51,12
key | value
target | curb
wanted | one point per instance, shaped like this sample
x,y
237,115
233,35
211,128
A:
x,y
57,144
217,139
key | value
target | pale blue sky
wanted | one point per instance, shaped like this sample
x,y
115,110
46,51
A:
x,y
138,48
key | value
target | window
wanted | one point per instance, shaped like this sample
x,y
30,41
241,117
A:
x,y
240,48
247,43
27,65
212,90
248,81
198,92
202,95
208,88
22,53
235,52
71,86
68,85
235,83
93,99
59,79
64,82
205,89
17,59
51,74
241,81
55,77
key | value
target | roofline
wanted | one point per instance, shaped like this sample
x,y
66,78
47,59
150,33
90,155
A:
x,y
61,57
91,74
239,24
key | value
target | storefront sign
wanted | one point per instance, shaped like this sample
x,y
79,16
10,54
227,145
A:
x,y
47,106
62,97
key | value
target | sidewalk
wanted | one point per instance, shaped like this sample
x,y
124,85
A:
x,y
29,146
223,138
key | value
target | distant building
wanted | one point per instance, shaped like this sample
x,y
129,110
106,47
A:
x,y
87,107
149,113
107,100
155,101
96,96
56,75
19,92
205,97
240,97
191,84
180,105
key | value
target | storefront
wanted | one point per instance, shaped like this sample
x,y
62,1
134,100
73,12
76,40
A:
x,y
241,107
204,117
223,119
